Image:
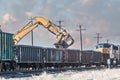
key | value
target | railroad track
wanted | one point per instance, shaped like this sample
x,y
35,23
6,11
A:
x,y
29,73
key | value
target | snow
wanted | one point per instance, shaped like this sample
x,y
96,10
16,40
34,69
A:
x,y
103,74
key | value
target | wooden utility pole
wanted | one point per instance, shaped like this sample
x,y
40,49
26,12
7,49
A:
x,y
81,46
80,31
0,29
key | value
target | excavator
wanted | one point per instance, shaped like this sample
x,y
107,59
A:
x,y
63,39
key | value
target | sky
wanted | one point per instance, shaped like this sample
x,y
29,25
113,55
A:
x,y
96,16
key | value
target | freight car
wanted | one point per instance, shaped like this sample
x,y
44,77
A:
x,y
71,57
38,57
52,57
90,57
6,51
28,56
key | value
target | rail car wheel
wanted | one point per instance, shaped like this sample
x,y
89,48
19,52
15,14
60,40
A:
x,y
43,66
37,66
12,66
98,65
1,66
17,67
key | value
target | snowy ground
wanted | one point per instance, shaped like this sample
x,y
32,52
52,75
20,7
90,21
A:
x,y
104,74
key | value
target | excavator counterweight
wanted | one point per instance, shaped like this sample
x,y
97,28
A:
x,y
63,40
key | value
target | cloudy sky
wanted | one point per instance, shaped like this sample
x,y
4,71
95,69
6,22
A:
x,y
96,16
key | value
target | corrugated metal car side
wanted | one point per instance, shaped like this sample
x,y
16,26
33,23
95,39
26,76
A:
x,y
6,46
28,54
52,55
65,56
90,57
71,56
96,57
86,57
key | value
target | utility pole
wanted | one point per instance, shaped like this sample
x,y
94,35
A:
x,y
98,37
80,31
60,23
31,20
60,28
107,41
81,46
0,29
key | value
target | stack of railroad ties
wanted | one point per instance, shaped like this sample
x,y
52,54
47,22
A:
x,y
35,57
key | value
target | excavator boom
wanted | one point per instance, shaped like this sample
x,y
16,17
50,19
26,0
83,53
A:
x,y
64,39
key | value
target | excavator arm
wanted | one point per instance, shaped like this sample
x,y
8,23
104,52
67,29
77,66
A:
x,y
64,39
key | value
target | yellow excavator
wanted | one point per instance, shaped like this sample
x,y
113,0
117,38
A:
x,y
63,40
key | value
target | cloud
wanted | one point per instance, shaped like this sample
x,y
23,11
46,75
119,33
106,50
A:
x,y
7,18
23,9
88,41
86,2
94,15
101,25
29,14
